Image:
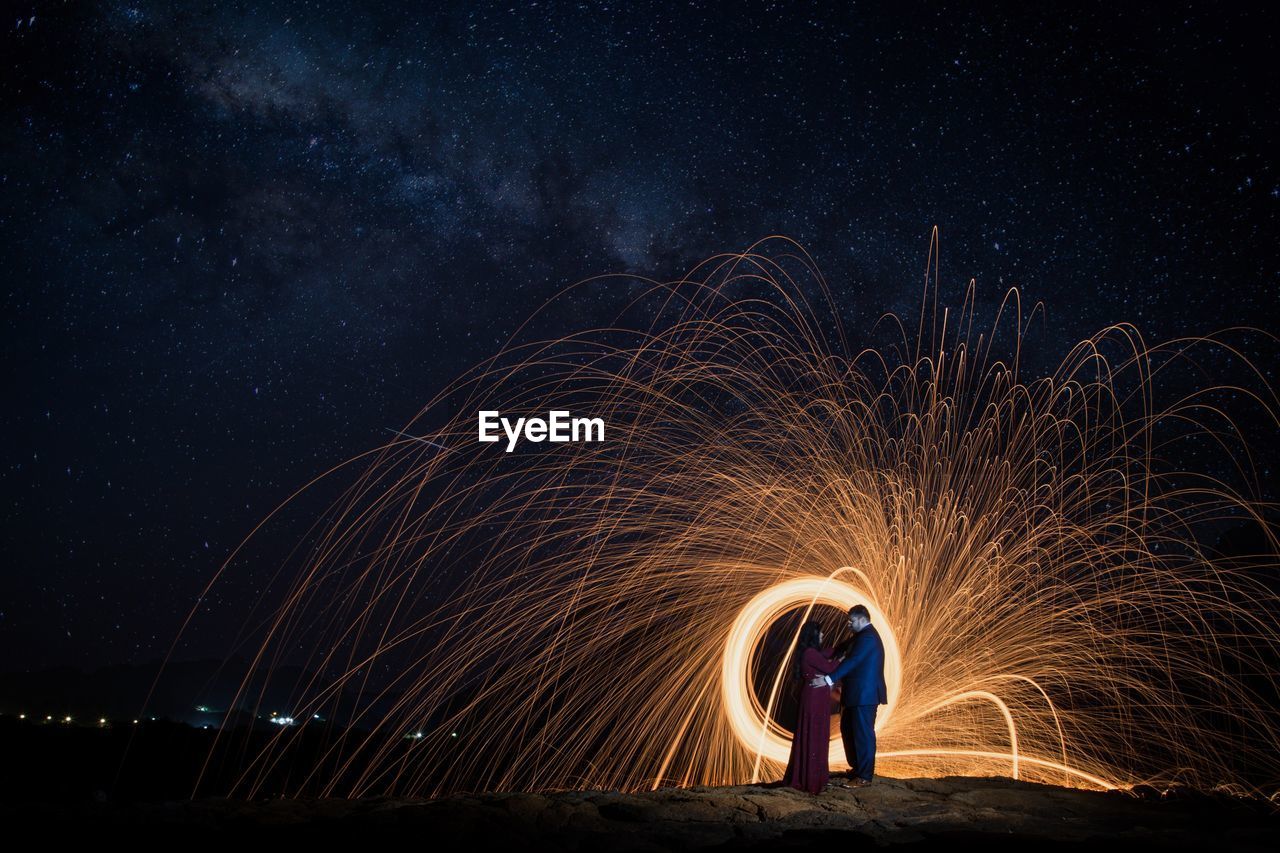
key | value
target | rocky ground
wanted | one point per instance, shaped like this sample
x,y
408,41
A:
x,y
919,813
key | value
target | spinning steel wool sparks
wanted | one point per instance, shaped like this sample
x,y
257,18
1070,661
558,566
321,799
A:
x,y
591,615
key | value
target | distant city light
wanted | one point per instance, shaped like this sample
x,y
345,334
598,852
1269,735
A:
x,y
281,721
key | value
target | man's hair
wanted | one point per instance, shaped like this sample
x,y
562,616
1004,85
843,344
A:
x,y
860,610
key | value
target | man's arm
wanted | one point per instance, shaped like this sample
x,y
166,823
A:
x,y
857,654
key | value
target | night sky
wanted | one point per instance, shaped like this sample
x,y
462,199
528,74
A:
x,y
241,242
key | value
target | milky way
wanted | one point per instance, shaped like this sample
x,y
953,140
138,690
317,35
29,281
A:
x,y
242,244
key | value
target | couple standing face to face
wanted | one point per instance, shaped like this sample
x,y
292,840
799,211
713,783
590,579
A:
x,y
860,672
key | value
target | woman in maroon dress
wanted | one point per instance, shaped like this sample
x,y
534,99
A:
x,y
807,767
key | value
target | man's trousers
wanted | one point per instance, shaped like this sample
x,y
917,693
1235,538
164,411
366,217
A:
x,y
858,731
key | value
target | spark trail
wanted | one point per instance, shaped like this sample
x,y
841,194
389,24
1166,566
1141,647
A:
x,y
589,615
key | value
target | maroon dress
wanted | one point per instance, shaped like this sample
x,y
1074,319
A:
x,y
807,767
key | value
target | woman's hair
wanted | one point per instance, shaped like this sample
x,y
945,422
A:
x,y
810,638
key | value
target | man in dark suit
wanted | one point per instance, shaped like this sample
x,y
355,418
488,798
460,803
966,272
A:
x,y
862,692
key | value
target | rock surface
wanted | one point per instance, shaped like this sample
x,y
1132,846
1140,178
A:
x,y
919,813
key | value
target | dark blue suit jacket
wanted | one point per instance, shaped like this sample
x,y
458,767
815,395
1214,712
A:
x,y
863,671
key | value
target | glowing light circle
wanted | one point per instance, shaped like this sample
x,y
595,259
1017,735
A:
x,y
747,717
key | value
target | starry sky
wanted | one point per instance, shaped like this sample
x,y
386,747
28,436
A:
x,y
242,241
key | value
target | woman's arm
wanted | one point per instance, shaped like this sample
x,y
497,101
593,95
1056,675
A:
x,y
819,662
